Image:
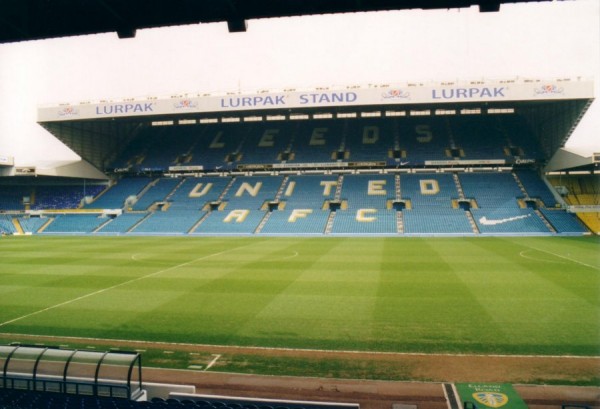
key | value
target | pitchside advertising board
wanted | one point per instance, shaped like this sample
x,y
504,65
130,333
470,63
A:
x,y
483,91
489,396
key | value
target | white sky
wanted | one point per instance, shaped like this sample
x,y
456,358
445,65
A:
x,y
533,40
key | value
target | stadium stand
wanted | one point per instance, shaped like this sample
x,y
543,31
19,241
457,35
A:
x,y
23,399
175,222
114,198
6,224
157,192
316,142
75,223
12,197
436,221
351,175
32,224
122,223
62,197
535,187
491,190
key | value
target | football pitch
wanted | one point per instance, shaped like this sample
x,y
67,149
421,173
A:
x,y
508,295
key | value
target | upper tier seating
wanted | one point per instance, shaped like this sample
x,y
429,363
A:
x,y
11,197
63,197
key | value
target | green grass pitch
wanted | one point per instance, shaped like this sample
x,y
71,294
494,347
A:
x,y
506,295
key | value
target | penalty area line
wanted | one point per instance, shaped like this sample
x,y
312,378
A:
x,y
565,258
133,280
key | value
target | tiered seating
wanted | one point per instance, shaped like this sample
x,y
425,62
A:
x,y
75,223
479,137
423,140
115,197
316,141
298,221
519,135
214,143
427,190
436,221
251,192
563,222
374,221
32,224
168,222
264,142
63,197
535,187
491,190
508,221
225,222
11,197
194,193
309,191
368,191
157,193
22,399
368,140
6,224
122,223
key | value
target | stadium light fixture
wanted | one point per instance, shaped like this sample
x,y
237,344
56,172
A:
x,y
299,116
325,115
395,113
187,121
346,115
501,111
370,114
425,112
445,112
209,121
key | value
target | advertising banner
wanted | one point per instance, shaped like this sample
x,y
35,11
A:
x,y
490,395
387,95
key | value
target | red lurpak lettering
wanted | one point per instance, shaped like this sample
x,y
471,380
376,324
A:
x,y
124,108
258,101
468,93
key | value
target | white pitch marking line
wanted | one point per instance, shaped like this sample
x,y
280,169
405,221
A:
x,y
119,285
566,258
258,348
217,356
522,254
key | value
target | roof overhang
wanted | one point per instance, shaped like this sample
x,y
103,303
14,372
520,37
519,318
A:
x,y
95,129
